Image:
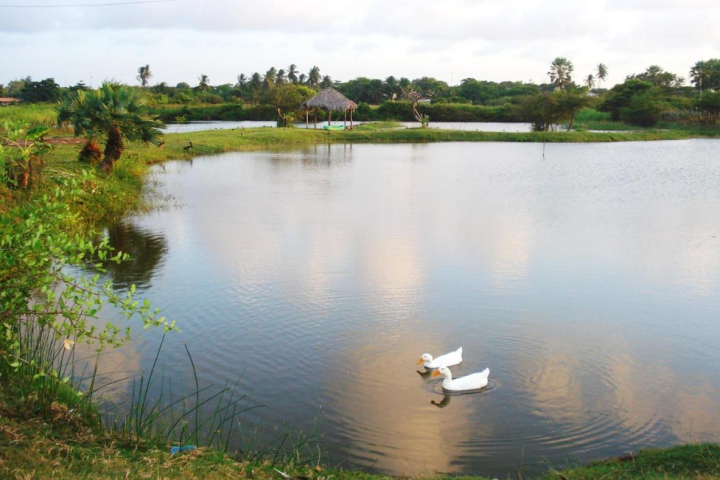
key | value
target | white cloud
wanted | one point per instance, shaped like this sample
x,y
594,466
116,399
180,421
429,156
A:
x,y
489,39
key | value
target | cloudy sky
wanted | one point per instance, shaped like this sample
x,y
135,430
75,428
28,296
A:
x,y
448,39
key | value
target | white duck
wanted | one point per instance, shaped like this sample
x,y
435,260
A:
x,y
447,360
473,381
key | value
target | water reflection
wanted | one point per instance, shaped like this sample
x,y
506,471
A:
x,y
225,125
442,403
146,249
588,282
400,421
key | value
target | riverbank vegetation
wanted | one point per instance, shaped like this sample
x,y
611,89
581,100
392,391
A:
x,y
643,99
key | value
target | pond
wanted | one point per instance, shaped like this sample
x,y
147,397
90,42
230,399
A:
x,y
476,126
227,125
215,125
585,276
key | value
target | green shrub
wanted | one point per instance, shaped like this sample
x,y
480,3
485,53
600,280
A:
x,y
210,98
364,113
591,115
620,96
709,104
45,309
644,110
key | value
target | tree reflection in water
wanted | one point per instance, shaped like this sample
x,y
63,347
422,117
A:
x,y
146,249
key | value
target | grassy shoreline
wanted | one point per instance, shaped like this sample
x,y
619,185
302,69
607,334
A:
x,y
221,141
64,447
112,197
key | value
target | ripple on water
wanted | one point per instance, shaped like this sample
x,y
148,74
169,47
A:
x,y
578,278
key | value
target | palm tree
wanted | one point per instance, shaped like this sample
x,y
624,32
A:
x,y
115,112
392,89
602,73
314,77
590,81
560,70
699,75
270,77
326,82
302,79
204,82
376,91
281,77
144,75
292,73
72,110
255,84
242,81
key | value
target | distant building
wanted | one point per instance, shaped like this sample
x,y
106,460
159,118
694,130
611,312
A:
x,y
9,101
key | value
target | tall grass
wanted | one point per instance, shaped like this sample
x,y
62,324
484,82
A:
x,y
32,114
151,413
591,115
591,119
28,382
203,416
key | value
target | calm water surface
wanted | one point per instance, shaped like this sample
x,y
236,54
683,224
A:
x,y
587,280
476,126
223,125
214,125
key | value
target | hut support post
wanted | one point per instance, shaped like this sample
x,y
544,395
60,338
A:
x,y
307,118
330,100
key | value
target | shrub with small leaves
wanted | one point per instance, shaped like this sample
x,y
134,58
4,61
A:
x,y
45,308
21,155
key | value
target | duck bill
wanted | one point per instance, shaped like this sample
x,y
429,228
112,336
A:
x,y
420,361
435,373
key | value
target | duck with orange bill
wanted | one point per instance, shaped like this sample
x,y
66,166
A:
x,y
473,381
447,360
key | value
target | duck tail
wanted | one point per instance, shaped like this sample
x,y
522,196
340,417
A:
x,y
486,372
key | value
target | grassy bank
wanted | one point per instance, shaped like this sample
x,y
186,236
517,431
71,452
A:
x,y
591,119
111,197
65,448
219,141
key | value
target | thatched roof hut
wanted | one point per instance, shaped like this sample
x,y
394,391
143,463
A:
x,y
331,100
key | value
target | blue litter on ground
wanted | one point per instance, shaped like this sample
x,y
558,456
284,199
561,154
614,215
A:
x,y
175,450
